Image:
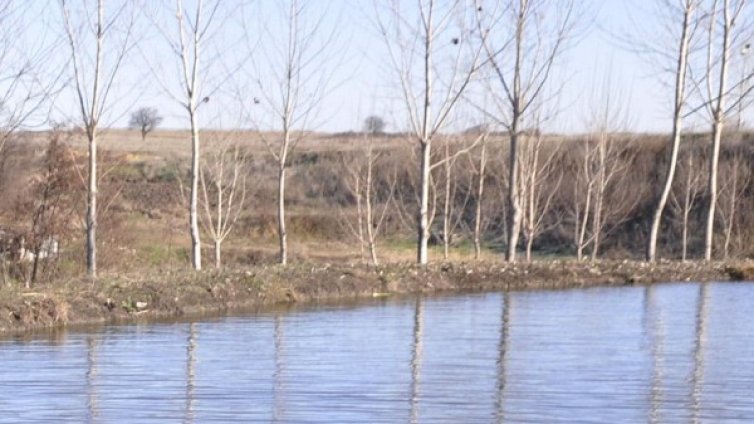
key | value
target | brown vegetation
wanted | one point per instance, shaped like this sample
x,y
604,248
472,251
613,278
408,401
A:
x,y
143,215
143,222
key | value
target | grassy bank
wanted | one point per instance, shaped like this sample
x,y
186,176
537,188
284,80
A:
x,y
177,295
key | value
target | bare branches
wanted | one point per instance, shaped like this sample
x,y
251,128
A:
x,y
522,43
687,18
193,27
430,70
289,88
25,86
94,100
222,177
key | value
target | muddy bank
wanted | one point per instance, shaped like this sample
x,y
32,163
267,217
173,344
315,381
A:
x,y
174,295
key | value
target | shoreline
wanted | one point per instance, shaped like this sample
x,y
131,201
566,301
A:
x,y
182,295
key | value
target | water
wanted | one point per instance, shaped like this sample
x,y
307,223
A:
x,y
668,353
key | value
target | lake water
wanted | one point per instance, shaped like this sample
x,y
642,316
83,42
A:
x,y
667,353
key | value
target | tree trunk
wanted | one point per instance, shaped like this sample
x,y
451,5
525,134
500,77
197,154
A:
x,y
597,221
218,261
687,206
731,209
446,206
368,198
196,243
581,236
680,94
709,232
426,143
685,236
360,218
282,236
423,233
529,245
717,130
91,212
514,203
478,206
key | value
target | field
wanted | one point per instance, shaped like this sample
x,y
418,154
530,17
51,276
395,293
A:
x,y
144,221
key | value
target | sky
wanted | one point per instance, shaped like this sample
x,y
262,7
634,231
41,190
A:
x,y
347,61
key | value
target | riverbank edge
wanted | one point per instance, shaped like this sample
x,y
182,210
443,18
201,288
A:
x,y
177,295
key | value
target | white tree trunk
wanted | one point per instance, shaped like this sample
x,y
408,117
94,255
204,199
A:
x,y
514,189
514,201
680,99
478,206
91,212
599,198
370,225
196,243
282,236
709,232
446,204
423,235
717,130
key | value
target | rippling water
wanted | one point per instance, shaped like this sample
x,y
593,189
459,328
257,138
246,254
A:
x,y
667,353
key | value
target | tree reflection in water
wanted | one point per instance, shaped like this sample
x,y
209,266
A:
x,y
416,360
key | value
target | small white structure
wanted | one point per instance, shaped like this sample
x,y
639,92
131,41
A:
x,y
49,249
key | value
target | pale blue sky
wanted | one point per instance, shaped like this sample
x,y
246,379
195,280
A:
x,y
362,82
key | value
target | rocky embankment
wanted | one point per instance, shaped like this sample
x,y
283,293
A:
x,y
174,295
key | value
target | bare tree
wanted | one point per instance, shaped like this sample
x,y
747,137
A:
x,y
376,213
601,199
222,179
540,181
452,213
736,177
194,27
692,184
598,167
524,40
95,70
291,81
145,119
355,185
717,96
420,48
686,15
372,203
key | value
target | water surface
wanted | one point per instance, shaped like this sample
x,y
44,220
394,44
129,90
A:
x,y
666,353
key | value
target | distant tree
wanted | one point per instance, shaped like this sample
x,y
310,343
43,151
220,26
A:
x,y
374,125
145,119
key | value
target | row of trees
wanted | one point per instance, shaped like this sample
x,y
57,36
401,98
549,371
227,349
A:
x,y
514,48
495,58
